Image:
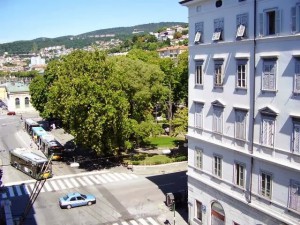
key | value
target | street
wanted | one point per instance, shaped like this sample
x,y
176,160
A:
x,y
123,197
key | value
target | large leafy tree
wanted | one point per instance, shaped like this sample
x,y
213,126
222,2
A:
x,y
103,101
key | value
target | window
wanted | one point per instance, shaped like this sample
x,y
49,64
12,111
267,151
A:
x,y
198,157
294,201
218,120
198,32
218,30
241,79
242,25
270,22
239,175
296,137
198,210
266,184
268,129
297,77
198,73
217,168
198,115
218,80
17,103
26,102
240,124
269,75
295,18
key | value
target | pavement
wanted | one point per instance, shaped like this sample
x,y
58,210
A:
x,y
167,216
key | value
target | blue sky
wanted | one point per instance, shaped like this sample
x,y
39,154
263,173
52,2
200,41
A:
x,y
30,19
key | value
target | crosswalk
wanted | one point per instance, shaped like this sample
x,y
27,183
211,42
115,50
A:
x,y
66,183
139,221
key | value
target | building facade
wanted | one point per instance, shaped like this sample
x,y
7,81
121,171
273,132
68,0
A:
x,y
244,112
18,97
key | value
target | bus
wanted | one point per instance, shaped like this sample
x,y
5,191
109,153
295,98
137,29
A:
x,y
30,163
29,124
51,147
37,133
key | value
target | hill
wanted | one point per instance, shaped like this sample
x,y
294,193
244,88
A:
x,y
82,40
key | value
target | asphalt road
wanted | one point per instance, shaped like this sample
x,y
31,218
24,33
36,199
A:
x,y
122,196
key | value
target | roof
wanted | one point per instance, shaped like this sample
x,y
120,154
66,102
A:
x,y
39,131
181,47
26,154
16,87
185,1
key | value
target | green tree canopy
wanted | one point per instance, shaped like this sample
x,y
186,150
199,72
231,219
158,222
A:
x,y
103,101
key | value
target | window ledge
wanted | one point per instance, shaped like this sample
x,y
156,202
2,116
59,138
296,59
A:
x,y
239,187
269,91
241,88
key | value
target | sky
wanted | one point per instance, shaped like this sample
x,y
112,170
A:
x,y
30,19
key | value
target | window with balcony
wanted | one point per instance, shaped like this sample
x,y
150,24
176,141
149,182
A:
x,y
239,174
241,73
269,75
219,76
199,115
198,73
242,25
218,34
294,198
198,158
270,22
198,32
266,184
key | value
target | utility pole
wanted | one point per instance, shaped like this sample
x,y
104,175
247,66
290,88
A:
x,y
35,192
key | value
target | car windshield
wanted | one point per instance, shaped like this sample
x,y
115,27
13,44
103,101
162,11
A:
x,y
65,197
84,196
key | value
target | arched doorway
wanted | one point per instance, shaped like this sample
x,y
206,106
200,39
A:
x,y
217,214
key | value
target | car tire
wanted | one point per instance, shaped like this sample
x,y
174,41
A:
x,y
69,206
89,203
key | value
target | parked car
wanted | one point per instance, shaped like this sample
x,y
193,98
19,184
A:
x,y
71,200
11,113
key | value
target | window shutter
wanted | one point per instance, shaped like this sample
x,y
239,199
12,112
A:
x,y
293,19
271,133
278,21
297,138
294,196
265,132
261,24
297,77
214,122
265,81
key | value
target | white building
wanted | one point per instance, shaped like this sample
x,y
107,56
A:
x,y
172,51
244,112
18,97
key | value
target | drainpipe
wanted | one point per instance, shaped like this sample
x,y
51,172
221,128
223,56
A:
x,y
253,101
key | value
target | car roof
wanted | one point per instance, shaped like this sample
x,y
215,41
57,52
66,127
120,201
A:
x,y
73,194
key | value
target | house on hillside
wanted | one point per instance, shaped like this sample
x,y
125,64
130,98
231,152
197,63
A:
x,y
172,51
244,112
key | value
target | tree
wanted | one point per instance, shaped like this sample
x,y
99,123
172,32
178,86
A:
x,y
180,122
105,102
